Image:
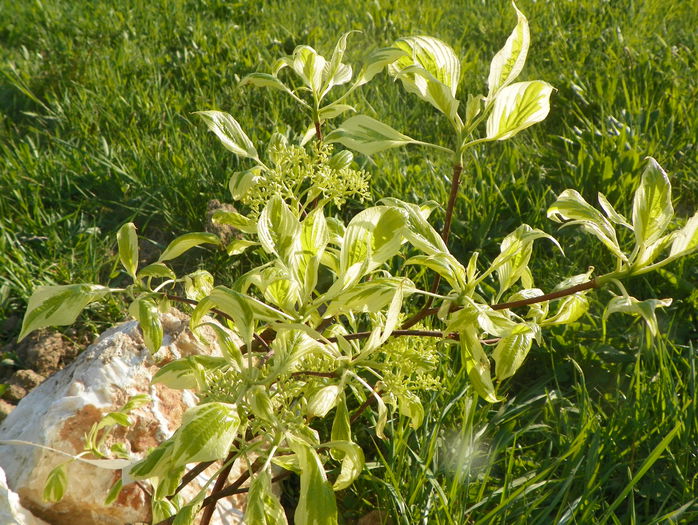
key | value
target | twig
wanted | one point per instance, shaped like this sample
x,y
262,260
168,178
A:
x,y
220,482
192,474
369,401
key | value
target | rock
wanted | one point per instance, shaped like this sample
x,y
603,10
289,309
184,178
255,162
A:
x,y
63,408
11,510
5,409
14,393
225,232
27,379
43,352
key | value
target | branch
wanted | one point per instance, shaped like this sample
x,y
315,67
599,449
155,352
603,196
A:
x,y
369,401
220,482
192,474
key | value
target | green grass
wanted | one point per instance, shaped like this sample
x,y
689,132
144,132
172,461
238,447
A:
x,y
96,129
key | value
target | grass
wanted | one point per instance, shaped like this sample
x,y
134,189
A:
x,y
96,129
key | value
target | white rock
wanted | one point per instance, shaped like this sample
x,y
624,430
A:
x,y
60,411
11,510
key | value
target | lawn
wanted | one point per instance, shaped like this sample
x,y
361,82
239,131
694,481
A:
x,y
96,129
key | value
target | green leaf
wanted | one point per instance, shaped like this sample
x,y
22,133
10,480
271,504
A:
x,y
239,246
371,296
341,427
56,483
198,285
206,434
263,80
334,110
156,270
611,212
260,404
128,248
352,462
337,73
652,209
241,182
372,237
570,309
410,406
477,364
156,464
279,230
229,132
307,64
445,265
511,351
686,239
316,504
645,309
189,372
323,400
114,492
263,507
234,219
509,61
146,312
377,61
186,242
517,107
419,232
135,402
58,305
571,206
368,136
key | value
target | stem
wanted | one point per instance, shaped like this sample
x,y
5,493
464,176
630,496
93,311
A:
x,y
220,482
318,131
398,333
192,474
313,373
369,401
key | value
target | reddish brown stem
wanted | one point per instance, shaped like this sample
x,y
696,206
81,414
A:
x,y
369,401
193,473
313,373
318,131
207,514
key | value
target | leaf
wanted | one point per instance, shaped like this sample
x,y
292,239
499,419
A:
x,y
186,242
419,232
571,206
652,209
263,506
371,296
509,61
55,485
241,182
323,400
377,61
206,434
316,504
511,351
686,239
229,132
341,427
114,492
517,107
611,212
333,110
570,309
146,312
307,64
352,462
335,72
198,285
156,464
477,364
128,248
239,246
645,309
445,265
372,237
156,270
263,80
188,372
235,219
432,56
279,230
58,305
410,406
368,136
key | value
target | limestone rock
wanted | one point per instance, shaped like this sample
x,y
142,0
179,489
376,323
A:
x,y
11,510
63,408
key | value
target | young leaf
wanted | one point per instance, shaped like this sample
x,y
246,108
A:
x,y
645,309
341,427
146,312
156,270
509,61
58,305
206,434
333,110
511,351
229,132
235,219
368,136
445,265
432,56
611,212
279,230
517,107
652,209
128,248
185,242
337,73
371,296
570,309
477,364
156,464
352,462
239,246
188,372
198,285
570,205
686,240
263,507
262,80
56,483
317,504
322,401
419,232
114,492
377,61
242,181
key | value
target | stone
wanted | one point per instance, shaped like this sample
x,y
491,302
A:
x,y
43,352
5,409
27,379
11,510
14,393
64,407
